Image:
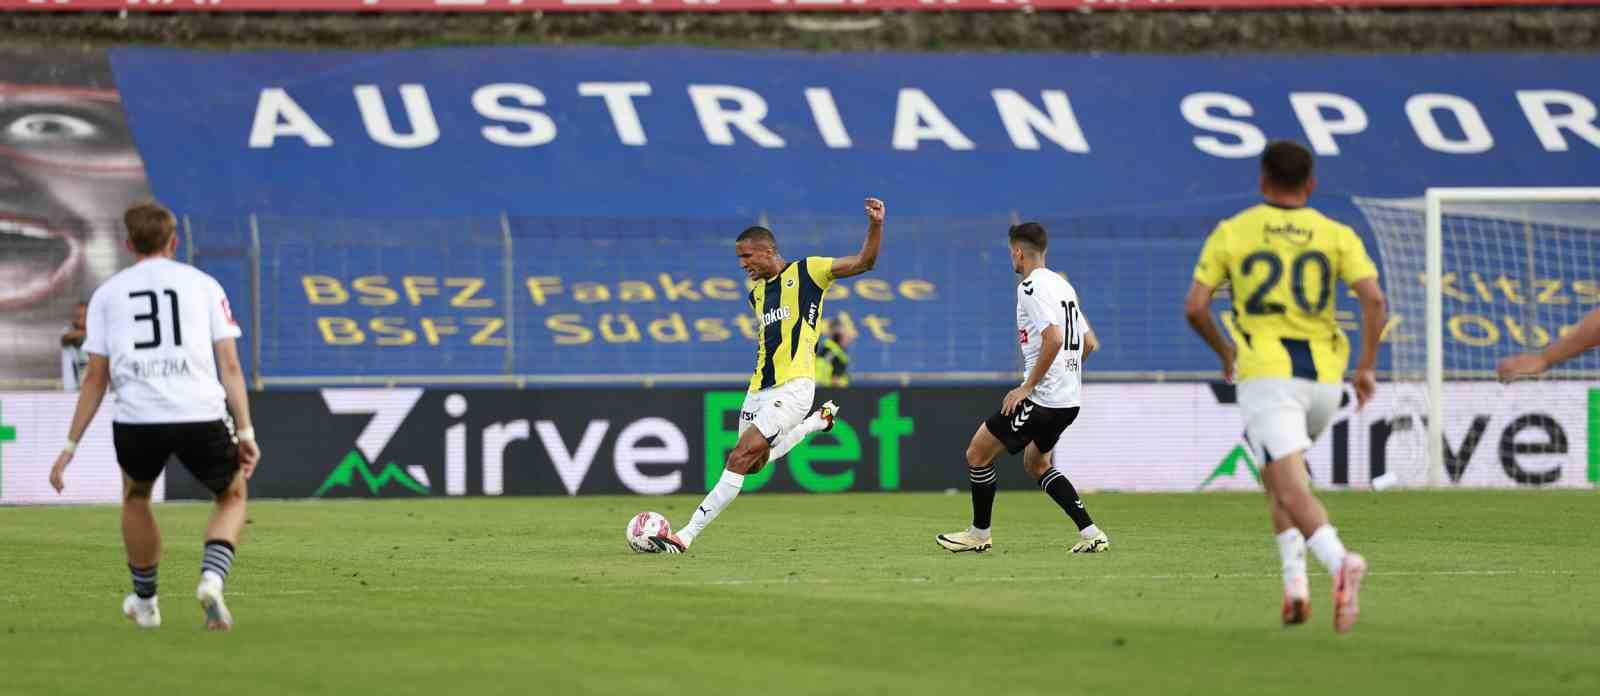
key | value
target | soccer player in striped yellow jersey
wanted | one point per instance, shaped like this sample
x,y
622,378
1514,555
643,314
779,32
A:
x,y
787,299
1283,259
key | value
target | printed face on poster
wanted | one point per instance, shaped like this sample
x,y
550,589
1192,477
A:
x,y
68,170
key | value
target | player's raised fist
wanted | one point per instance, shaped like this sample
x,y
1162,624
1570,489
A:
x,y
875,210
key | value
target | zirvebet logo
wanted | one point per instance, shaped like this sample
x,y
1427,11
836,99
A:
x,y
1514,444
344,476
653,441
389,408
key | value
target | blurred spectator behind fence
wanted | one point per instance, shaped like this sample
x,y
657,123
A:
x,y
834,364
73,358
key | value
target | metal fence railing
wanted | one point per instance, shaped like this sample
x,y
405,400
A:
x,y
524,302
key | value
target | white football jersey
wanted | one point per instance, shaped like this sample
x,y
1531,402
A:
x,y
1045,298
156,322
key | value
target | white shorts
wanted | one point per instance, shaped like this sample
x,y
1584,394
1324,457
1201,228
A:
x,y
777,409
1283,415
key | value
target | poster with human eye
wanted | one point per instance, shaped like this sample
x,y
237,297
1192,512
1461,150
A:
x,y
68,169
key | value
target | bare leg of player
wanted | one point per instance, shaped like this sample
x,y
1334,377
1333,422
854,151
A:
x,y
1287,483
980,455
227,518
1041,468
222,541
747,457
1292,551
140,534
142,538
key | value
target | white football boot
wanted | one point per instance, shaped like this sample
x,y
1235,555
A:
x,y
146,613
825,415
210,595
965,540
1095,544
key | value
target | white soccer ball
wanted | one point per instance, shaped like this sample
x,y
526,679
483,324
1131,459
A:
x,y
643,526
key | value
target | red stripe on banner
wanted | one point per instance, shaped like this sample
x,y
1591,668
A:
x,y
726,5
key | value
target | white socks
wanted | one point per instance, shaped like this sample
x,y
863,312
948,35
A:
x,y
1325,545
721,495
728,486
1292,549
1089,532
979,533
788,440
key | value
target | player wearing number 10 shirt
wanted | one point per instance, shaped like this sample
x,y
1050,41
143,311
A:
x,y
1055,339
1283,259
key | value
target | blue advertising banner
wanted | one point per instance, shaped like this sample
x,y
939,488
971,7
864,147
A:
x,y
685,132
570,211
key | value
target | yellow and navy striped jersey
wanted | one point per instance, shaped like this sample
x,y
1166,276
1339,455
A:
x,y
787,308
1283,263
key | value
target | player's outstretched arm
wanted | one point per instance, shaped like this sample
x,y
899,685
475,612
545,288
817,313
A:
x,y
1197,309
238,404
90,394
846,266
1585,336
1374,316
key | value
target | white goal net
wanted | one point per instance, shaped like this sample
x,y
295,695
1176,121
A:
x,y
1474,276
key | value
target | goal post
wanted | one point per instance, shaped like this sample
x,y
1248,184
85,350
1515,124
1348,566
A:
x,y
1519,266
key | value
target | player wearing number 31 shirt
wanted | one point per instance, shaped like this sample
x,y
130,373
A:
x,y
161,336
1283,260
1055,340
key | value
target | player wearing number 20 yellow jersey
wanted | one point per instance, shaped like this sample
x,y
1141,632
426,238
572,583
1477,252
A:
x,y
1283,264
1284,261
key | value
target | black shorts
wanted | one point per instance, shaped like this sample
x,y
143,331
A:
x,y
206,449
1031,422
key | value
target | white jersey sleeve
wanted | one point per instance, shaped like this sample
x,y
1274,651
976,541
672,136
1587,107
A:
x,y
1037,304
222,322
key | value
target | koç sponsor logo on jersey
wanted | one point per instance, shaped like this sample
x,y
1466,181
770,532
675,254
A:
x,y
774,315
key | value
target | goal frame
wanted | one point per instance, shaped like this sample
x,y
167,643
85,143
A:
x,y
1434,201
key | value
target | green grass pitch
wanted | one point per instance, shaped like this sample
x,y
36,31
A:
x,y
1471,593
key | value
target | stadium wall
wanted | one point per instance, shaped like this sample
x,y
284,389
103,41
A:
x,y
1344,29
384,443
